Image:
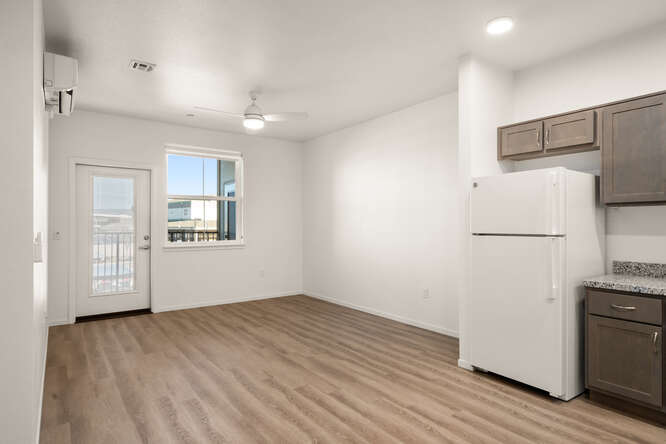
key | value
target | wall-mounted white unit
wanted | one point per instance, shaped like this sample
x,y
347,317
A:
x,y
61,78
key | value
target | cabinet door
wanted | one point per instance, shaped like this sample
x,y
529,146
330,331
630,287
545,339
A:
x,y
521,139
570,130
634,151
625,358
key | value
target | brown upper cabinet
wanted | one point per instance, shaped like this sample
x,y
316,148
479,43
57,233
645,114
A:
x,y
631,134
634,151
521,139
570,130
560,134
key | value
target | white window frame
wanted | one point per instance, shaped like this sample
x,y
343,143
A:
x,y
239,196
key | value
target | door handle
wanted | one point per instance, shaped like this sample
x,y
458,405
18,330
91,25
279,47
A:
x,y
622,307
553,291
144,247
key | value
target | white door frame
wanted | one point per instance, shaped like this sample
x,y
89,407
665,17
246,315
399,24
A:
x,y
73,162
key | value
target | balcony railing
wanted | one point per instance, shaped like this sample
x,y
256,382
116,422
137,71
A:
x,y
113,262
192,236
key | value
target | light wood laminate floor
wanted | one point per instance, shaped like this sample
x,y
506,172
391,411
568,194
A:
x,y
292,370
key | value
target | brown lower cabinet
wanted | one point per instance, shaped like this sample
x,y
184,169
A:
x,y
625,351
625,359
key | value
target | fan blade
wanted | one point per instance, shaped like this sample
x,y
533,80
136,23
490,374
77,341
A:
x,y
203,108
281,117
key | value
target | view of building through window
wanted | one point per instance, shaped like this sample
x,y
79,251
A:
x,y
203,203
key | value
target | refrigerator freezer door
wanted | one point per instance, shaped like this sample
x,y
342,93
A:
x,y
528,203
515,309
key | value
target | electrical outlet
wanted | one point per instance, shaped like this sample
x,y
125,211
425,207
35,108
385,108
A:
x,y
57,235
426,293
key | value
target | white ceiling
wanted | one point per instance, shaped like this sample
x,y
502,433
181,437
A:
x,y
342,61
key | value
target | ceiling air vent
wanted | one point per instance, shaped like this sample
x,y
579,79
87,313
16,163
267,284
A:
x,y
139,65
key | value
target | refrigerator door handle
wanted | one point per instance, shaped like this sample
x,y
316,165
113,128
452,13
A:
x,y
554,271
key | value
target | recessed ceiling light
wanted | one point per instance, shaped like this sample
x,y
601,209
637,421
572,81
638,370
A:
x,y
499,25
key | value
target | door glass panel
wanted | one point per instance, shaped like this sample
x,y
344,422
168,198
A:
x,y
113,235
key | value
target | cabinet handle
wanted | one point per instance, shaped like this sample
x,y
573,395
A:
x,y
538,140
623,307
548,137
655,335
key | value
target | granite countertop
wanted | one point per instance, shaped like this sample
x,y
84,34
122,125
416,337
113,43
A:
x,y
635,277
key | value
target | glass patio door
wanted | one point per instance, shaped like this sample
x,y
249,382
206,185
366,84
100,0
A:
x,y
113,239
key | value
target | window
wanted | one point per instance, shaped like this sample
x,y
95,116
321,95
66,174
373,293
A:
x,y
204,198
113,233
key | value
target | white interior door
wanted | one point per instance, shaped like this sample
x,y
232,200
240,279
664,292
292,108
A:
x,y
515,308
112,239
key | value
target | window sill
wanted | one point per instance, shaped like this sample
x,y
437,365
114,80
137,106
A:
x,y
187,246
113,293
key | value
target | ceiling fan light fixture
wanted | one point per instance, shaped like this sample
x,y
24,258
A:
x,y
255,122
254,118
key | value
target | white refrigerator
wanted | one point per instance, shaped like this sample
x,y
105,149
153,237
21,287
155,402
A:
x,y
535,236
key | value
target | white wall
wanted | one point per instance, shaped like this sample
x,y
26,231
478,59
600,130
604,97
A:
x,y
485,98
629,66
40,206
381,215
188,278
485,102
24,154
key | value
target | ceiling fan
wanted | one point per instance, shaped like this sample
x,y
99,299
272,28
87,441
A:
x,y
254,118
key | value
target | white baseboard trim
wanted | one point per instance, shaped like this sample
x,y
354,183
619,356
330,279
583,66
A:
x,y
41,383
54,322
224,301
393,317
465,364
